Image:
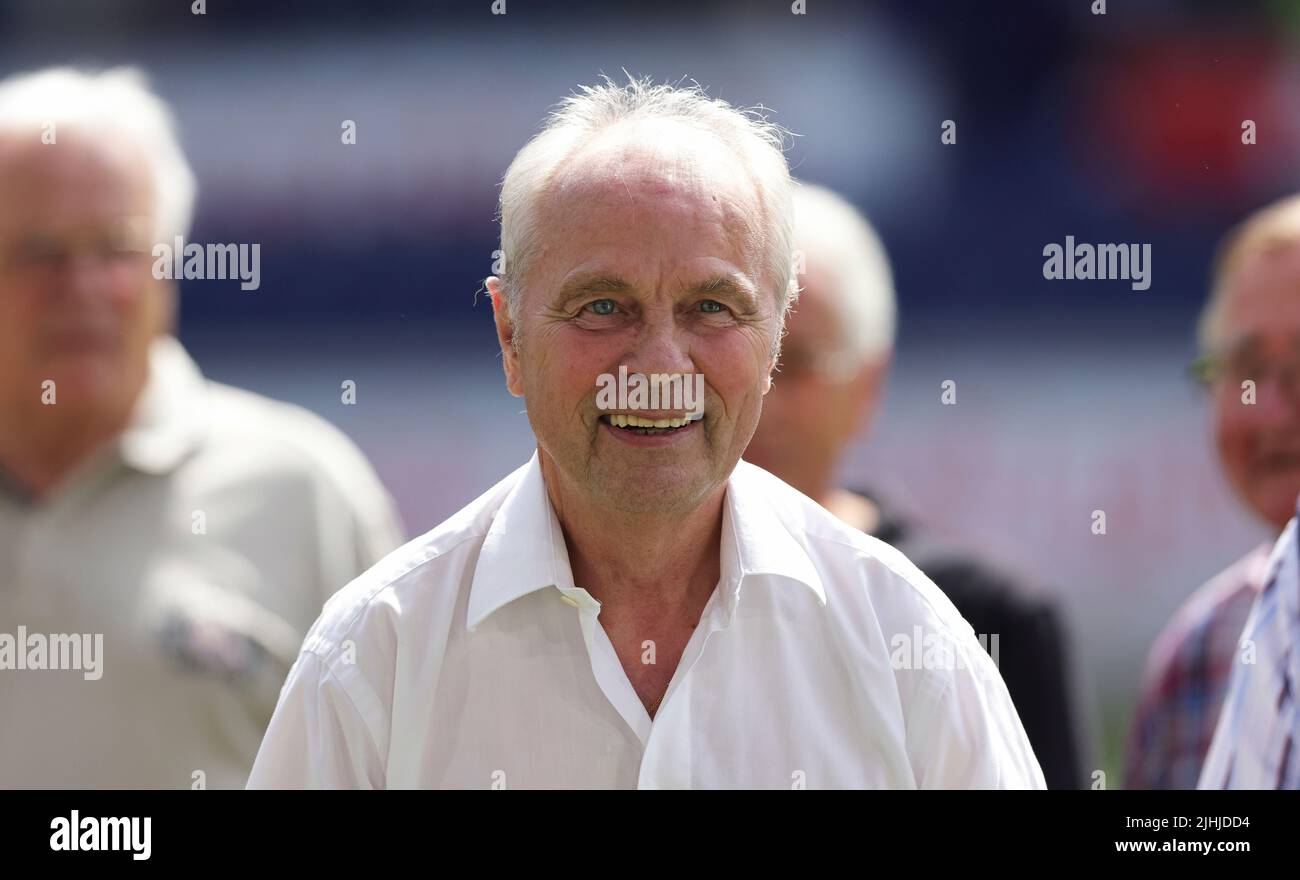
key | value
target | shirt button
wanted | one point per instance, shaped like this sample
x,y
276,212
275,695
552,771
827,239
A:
x,y
569,600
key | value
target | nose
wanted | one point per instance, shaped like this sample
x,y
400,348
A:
x,y
83,276
1275,407
662,346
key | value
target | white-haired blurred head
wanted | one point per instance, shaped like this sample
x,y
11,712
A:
x,y
836,352
91,178
1250,346
757,143
833,237
115,104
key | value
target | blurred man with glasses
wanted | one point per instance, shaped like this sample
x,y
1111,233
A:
x,y
1250,364
191,530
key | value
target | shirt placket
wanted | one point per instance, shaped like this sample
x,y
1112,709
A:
x,y
668,760
666,740
605,665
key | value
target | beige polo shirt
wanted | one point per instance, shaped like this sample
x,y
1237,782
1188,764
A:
x,y
196,553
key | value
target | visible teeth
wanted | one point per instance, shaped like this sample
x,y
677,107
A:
x,y
620,420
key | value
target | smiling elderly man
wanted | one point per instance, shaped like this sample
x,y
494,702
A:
x,y
1250,339
635,608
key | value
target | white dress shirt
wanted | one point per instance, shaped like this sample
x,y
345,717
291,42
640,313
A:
x,y
199,548
470,659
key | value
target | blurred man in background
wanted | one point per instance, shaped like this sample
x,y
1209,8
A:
x,y
834,360
1250,342
165,541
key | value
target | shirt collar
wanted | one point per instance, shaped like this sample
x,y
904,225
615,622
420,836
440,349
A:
x,y
524,550
758,539
168,421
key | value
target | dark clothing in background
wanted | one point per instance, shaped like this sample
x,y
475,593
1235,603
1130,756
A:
x,y
1033,655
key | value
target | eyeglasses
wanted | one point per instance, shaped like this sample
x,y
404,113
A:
x,y
123,244
1235,367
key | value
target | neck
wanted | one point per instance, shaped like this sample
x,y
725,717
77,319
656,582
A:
x,y
664,563
38,451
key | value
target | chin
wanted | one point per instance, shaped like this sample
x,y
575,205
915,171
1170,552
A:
x,y
1280,511
656,489
87,382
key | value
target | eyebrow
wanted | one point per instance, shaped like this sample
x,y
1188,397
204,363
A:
x,y
738,288
585,285
1248,344
725,285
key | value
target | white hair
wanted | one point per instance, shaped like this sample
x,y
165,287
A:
x,y
758,144
1272,228
835,237
110,103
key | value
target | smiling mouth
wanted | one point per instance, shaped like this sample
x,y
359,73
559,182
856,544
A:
x,y
648,426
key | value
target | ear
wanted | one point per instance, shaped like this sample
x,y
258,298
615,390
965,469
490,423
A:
x,y
162,306
506,336
867,388
772,361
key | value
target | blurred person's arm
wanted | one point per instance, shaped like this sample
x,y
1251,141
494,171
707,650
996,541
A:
x,y
318,736
1032,653
331,725
1042,688
376,525
357,523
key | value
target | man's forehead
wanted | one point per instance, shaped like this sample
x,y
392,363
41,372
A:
x,y
626,189
1265,286
24,156
654,158
72,175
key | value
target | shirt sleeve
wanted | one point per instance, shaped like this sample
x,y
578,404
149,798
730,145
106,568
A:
x,y
318,738
971,736
357,522
378,529
1035,657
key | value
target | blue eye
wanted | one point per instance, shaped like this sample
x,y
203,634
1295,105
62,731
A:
x,y
712,306
602,306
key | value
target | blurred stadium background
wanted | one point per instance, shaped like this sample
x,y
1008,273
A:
x,y
1072,397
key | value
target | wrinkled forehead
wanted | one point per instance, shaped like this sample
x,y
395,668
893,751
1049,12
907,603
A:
x,y
639,165
664,155
643,178
76,181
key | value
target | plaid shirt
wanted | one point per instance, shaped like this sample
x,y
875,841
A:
x,y
1259,731
1187,677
